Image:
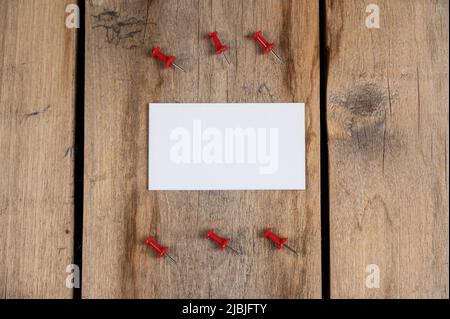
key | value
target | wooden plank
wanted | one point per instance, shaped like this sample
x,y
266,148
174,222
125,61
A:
x,y
36,139
119,212
387,103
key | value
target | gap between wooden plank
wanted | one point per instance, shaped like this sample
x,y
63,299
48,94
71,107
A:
x,y
79,149
324,181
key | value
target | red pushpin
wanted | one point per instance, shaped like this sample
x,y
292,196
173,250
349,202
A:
x,y
222,242
267,47
169,61
220,48
279,241
160,251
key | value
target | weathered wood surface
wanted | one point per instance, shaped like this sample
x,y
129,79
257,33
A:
x,y
387,117
119,211
387,109
36,137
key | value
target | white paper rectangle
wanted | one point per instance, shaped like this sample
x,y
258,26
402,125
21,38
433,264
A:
x,y
213,146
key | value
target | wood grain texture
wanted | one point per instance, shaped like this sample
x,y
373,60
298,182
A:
x,y
119,212
36,138
387,110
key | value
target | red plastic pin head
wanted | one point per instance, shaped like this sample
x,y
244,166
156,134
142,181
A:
x,y
279,241
168,60
267,47
221,242
219,46
160,250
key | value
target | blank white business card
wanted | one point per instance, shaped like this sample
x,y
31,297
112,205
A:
x,y
224,146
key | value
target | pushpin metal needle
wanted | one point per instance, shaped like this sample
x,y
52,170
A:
x,y
220,48
291,249
235,251
160,250
169,61
222,242
173,260
178,67
267,47
279,241
276,56
226,58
